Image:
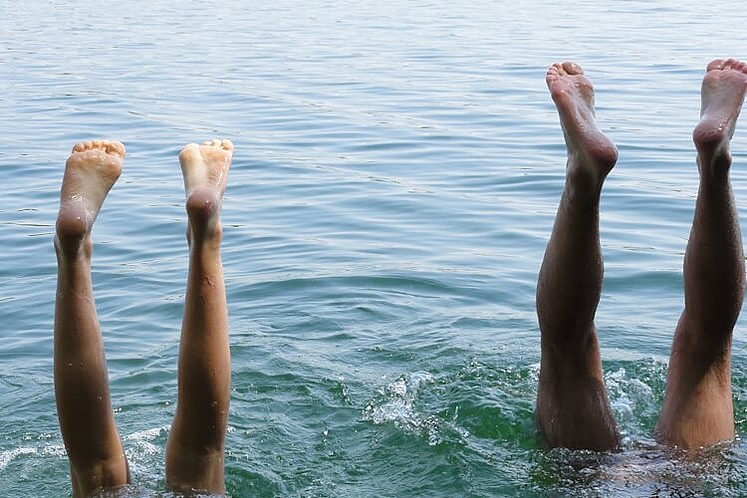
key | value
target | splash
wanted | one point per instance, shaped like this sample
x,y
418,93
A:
x,y
398,405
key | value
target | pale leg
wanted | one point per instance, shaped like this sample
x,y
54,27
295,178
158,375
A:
x,y
94,448
698,407
572,406
195,450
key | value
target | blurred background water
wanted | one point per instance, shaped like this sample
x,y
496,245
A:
x,y
398,164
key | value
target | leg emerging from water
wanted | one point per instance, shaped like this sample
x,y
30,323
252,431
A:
x,y
195,450
572,406
698,408
93,445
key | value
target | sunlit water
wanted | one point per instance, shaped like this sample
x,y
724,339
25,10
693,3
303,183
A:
x,y
397,170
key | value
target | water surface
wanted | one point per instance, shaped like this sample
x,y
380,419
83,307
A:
x,y
397,169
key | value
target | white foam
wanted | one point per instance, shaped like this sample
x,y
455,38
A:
x,y
8,456
398,407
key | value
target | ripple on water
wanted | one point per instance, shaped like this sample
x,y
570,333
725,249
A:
x,y
396,175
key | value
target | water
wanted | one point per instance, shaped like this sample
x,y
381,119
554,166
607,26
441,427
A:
x,y
397,170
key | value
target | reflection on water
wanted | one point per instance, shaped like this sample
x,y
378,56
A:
x,y
643,470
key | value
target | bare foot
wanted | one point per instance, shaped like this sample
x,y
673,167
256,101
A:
x,y
205,170
722,95
90,172
588,149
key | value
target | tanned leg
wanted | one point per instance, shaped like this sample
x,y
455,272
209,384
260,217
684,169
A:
x,y
698,408
97,459
195,450
572,406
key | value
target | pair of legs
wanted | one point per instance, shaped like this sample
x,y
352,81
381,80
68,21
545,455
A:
x,y
195,450
572,406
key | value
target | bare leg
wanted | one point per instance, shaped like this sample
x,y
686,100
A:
x,y
572,406
195,450
698,408
97,459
